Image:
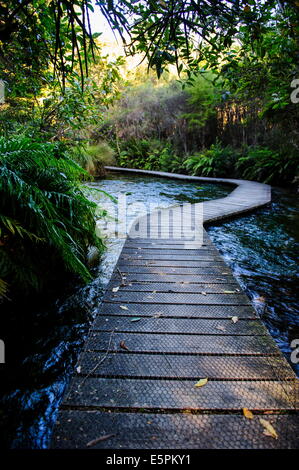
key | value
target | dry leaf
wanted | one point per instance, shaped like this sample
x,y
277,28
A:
x,y
247,413
124,346
268,429
221,328
99,439
228,292
136,319
260,299
78,369
123,307
157,314
201,383
115,289
203,293
235,319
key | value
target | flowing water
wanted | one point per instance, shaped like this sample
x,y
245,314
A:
x,y
262,250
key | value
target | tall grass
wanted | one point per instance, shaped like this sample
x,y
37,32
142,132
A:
x,y
93,158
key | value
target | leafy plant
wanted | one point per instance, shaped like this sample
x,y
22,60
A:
x,y
216,161
169,161
268,166
46,222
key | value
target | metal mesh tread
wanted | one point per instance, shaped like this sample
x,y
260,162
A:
x,y
164,277
178,343
181,394
217,270
172,431
179,287
176,310
158,324
169,263
177,298
125,364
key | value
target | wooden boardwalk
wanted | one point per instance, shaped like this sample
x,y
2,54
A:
x,y
171,316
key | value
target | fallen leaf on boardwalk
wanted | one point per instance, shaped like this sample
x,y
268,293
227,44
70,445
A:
x,y
235,319
247,413
228,292
220,279
203,293
123,307
99,439
221,328
136,319
157,314
124,346
149,297
115,289
261,299
78,369
268,429
201,383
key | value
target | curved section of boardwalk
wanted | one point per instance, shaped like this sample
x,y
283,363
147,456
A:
x,y
247,196
170,317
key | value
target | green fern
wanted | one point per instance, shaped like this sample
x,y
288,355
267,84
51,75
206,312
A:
x,y
44,214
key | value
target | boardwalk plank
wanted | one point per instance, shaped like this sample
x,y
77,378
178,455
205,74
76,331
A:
x,y
169,431
177,343
175,298
125,364
187,311
177,325
181,394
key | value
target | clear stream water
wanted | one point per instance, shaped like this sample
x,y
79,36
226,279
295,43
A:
x,y
262,250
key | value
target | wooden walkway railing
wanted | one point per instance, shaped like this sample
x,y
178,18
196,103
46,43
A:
x,y
177,354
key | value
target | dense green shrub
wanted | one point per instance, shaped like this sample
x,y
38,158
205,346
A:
x,y
170,162
140,153
217,161
149,154
46,222
268,166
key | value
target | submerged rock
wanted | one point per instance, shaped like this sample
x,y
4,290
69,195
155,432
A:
x,y
93,256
